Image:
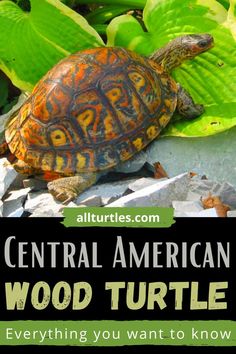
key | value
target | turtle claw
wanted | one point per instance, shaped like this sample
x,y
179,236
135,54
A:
x,y
67,189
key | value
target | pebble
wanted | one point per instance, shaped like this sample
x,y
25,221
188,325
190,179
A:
x,y
108,192
93,201
202,188
187,206
231,214
159,194
205,213
144,182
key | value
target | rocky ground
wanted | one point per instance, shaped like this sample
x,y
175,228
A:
x,y
190,195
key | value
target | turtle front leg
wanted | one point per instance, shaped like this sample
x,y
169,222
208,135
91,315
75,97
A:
x,y
186,106
67,189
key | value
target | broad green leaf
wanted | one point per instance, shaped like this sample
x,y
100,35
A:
x,y
105,13
225,3
32,42
210,77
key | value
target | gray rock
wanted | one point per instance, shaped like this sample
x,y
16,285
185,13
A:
x,y
35,184
187,206
93,201
202,188
231,214
46,214
13,205
107,191
42,204
134,164
7,176
160,194
205,213
213,156
143,183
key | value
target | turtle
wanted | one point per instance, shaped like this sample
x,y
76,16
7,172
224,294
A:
x,y
98,108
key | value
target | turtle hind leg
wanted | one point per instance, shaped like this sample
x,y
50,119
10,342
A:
x,y
186,106
67,189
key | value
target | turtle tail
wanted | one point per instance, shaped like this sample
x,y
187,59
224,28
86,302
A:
x,y
4,148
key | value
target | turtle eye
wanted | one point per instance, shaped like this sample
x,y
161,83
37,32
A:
x,y
203,43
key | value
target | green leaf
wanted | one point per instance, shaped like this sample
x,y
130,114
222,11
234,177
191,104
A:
x,y
225,3
32,42
210,77
105,14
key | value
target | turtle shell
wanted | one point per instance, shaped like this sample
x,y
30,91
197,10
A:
x,y
91,111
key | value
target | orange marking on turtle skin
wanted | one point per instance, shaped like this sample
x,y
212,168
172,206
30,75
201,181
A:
x,y
51,176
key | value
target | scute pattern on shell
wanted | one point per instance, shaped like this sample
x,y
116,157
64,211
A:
x,y
93,110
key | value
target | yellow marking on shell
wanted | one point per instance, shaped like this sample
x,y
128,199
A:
x,y
81,161
164,119
125,155
47,162
11,130
59,163
13,144
58,138
164,80
24,113
110,133
114,94
138,143
85,119
137,79
168,103
21,150
152,132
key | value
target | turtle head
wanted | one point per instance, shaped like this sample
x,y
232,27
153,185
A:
x,y
182,48
194,44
